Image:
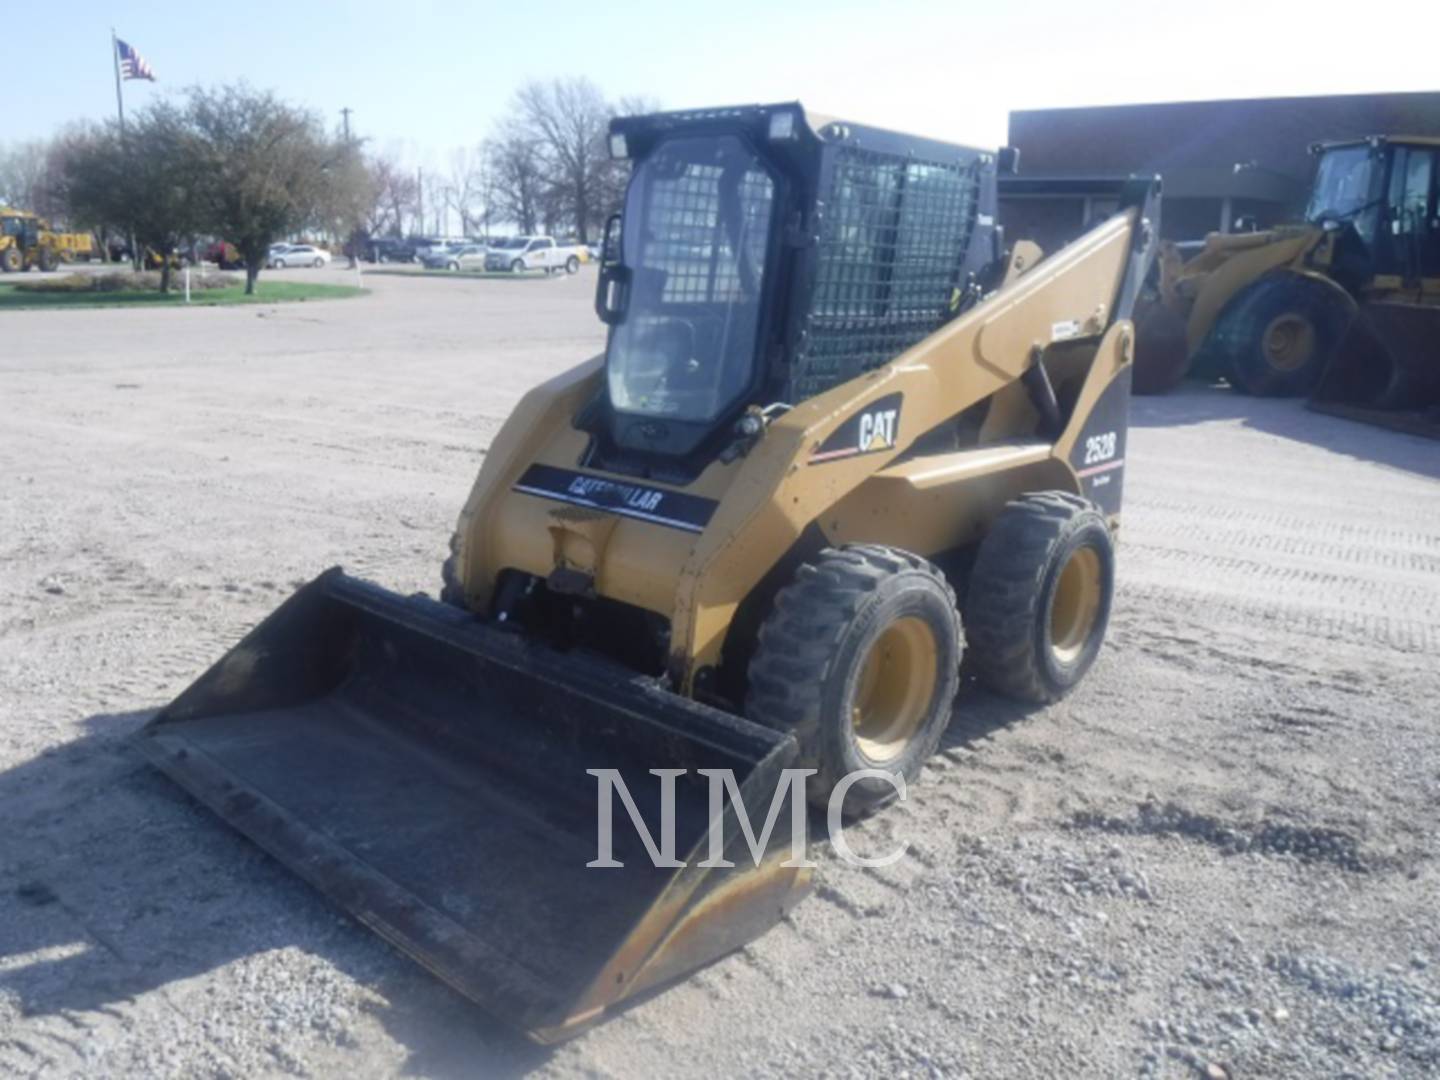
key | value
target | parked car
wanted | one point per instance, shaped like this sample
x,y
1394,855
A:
x,y
298,255
390,249
532,253
464,257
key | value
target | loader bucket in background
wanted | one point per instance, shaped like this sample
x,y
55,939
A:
x,y
427,773
1162,357
1386,369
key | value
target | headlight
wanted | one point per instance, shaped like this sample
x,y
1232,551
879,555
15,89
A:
x,y
782,126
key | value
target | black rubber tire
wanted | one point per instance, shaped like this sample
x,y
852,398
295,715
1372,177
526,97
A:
x,y
572,264
47,259
318,263
813,645
517,266
11,260
1012,590
1236,341
453,266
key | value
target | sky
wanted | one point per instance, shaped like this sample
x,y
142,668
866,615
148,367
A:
x,y
424,77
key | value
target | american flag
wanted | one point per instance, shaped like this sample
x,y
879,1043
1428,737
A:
x,y
132,64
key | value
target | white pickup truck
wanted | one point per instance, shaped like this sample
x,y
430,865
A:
x,y
521,253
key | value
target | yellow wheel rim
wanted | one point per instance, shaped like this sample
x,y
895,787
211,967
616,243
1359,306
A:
x,y
1288,342
895,688
1076,604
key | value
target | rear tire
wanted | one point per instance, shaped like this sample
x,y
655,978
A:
x,y
318,263
860,660
1040,596
1275,338
11,260
572,265
48,259
517,266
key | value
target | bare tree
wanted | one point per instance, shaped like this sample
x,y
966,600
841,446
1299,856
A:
x,y
567,119
519,177
470,186
610,186
395,194
32,175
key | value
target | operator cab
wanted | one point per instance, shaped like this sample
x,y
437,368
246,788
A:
x,y
1384,191
765,256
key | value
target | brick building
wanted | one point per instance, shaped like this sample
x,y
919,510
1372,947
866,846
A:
x,y
1220,160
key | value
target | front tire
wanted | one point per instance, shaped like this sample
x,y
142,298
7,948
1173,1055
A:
x,y
279,264
11,260
1275,339
1040,596
572,265
318,263
860,660
517,266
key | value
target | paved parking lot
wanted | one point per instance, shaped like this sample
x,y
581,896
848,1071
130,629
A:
x,y
1218,857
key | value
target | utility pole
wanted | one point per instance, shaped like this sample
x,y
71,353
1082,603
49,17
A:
x,y
420,198
345,112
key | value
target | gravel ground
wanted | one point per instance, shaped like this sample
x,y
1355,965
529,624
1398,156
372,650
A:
x,y
1216,859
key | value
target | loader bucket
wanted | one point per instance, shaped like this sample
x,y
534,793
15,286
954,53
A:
x,y
1386,369
1162,358
427,773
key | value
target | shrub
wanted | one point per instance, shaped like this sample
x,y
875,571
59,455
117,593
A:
x,y
126,281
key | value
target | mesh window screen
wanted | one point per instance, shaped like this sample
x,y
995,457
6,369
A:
x,y
891,245
697,230
686,241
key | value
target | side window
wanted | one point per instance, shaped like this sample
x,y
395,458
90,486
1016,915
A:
x,y
1410,183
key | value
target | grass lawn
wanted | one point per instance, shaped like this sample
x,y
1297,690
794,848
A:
x,y
266,292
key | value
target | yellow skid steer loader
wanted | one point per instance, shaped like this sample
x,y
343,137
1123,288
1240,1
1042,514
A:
x,y
842,438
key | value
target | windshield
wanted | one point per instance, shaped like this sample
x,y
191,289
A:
x,y
1343,188
510,245
696,229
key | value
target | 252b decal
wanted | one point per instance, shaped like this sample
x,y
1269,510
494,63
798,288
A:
x,y
1100,448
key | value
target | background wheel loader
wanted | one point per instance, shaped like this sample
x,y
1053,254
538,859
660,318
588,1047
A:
x,y
1345,307
26,242
840,441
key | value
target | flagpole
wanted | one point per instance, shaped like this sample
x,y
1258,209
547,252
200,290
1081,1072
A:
x,y
119,99
120,111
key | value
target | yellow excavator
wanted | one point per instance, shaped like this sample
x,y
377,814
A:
x,y
1344,307
844,438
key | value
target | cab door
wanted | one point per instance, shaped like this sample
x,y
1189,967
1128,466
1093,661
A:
x,y
1409,245
538,254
